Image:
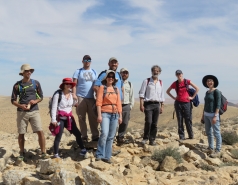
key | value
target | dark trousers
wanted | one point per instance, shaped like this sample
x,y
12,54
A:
x,y
152,112
184,111
74,130
126,110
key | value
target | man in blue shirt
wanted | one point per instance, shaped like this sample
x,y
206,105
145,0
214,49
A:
x,y
113,64
83,92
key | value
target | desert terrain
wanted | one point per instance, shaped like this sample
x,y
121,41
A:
x,y
8,115
169,162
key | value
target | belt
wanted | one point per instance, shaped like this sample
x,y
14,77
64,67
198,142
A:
x,y
152,102
124,105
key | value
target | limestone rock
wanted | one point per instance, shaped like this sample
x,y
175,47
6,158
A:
x,y
4,156
35,181
168,164
95,177
64,177
185,167
15,177
183,149
213,161
49,166
100,165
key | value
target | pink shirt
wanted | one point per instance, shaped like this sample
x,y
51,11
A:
x,y
182,95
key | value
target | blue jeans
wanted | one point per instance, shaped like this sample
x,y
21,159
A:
x,y
108,131
213,129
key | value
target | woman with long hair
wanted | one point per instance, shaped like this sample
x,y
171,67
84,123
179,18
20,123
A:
x,y
62,117
109,111
211,116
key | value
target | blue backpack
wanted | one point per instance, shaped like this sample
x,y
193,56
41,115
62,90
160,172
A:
x,y
190,91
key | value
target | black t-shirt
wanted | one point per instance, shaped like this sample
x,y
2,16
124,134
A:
x,y
27,94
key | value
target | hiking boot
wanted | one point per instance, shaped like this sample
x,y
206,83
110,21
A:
x,y
83,152
107,161
144,141
207,150
21,156
215,154
96,139
98,159
152,143
121,141
44,156
181,139
114,153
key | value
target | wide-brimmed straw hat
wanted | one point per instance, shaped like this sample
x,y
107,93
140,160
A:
x,y
25,67
67,81
215,80
104,81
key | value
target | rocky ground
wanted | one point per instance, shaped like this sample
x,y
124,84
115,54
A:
x,y
134,165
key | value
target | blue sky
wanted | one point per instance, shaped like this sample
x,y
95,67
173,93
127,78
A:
x,y
198,37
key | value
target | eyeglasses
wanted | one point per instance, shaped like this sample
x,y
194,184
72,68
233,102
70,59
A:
x,y
87,60
125,72
110,76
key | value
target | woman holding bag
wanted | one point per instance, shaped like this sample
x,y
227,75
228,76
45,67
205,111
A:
x,y
211,116
109,111
62,117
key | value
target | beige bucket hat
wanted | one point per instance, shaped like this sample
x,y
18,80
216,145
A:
x,y
25,67
107,73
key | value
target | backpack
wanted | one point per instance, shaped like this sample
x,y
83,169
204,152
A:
x,y
148,80
224,104
190,91
51,100
104,94
82,69
22,89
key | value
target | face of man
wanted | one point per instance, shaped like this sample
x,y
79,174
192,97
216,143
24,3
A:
x,y
27,73
124,75
155,72
113,65
86,62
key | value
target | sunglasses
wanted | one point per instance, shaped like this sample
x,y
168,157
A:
x,y
27,71
87,60
110,76
68,84
125,72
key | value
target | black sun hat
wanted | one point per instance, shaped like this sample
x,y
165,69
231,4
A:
x,y
215,80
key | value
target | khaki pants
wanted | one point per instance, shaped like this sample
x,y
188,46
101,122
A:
x,y
23,118
85,105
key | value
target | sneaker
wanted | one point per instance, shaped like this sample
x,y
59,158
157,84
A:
x,y
83,152
144,141
107,161
215,154
208,150
121,141
56,156
98,159
21,156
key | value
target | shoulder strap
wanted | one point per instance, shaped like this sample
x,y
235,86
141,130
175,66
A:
x,y
102,73
119,75
79,71
94,72
34,83
177,86
129,84
160,81
19,87
60,95
186,83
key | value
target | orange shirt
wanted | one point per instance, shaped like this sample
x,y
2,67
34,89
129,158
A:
x,y
110,98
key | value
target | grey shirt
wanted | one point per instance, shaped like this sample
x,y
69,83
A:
x,y
27,94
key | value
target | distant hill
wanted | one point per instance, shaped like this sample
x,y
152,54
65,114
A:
x,y
232,104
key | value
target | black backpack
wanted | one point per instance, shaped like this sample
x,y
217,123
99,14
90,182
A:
x,y
51,100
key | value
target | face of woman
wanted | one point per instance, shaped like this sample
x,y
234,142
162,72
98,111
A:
x,y
210,83
179,76
67,86
110,78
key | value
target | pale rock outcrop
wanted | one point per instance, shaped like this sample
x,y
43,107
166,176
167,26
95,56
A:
x,y
168,164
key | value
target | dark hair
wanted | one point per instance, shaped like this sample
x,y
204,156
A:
x,y
156,66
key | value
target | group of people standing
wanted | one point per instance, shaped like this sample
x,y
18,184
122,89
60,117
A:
x,y
112,105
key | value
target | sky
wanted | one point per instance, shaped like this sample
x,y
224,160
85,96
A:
x,y
198,37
